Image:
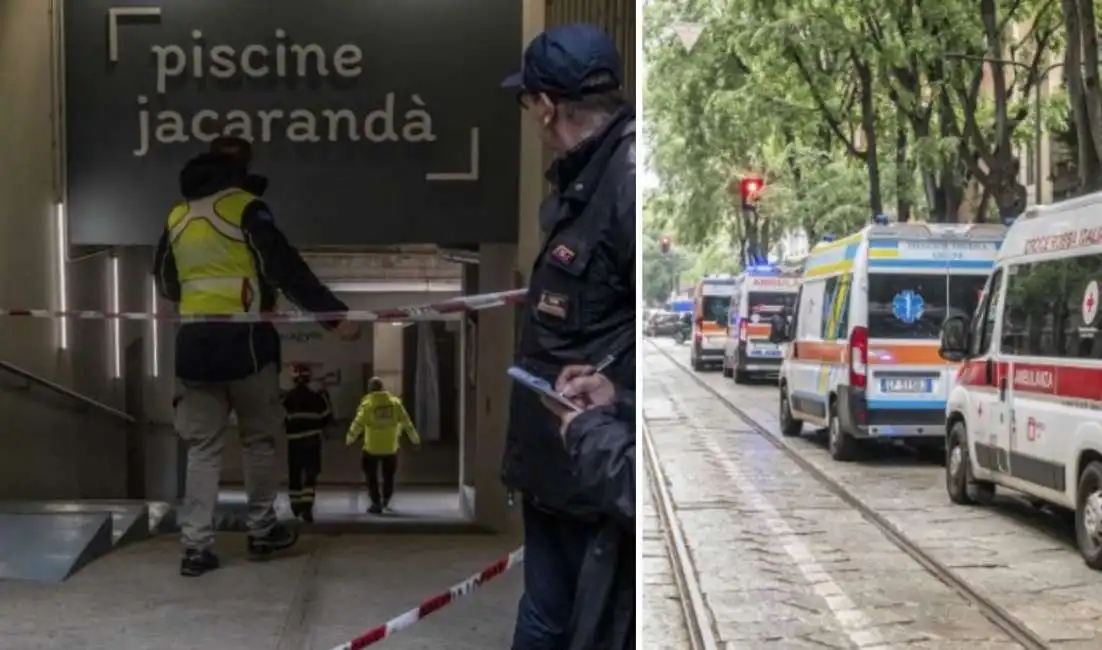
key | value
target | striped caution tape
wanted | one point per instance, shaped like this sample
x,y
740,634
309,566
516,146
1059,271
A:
x,y
431,311
384,631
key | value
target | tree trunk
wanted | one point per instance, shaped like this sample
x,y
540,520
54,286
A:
x,y
868,125
947,184
903,170
1009,195
1092,86
1089,156
766,238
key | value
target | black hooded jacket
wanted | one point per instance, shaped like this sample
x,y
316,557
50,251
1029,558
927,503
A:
x,y
218,352
580,305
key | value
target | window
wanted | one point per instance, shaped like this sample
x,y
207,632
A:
x,y
836,308
767,304
1033,319
983,323
908,306
714,308
1045,307
1082,340
809,319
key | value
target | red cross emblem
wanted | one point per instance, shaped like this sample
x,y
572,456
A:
x,y
1089,302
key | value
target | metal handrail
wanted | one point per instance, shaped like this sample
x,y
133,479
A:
x,y
67,392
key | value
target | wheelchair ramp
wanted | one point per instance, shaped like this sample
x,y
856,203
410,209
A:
x,y
47,541
50,547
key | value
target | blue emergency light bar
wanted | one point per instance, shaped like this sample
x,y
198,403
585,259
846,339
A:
x,y
680,306
882,220
827,238
762,269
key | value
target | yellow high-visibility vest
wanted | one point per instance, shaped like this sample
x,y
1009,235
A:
x,y
217,270
381,419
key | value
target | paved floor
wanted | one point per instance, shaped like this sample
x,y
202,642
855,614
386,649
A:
x,y
329,590
349,505
663,624
784,563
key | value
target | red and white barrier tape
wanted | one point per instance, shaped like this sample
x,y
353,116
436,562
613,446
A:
x,y
378,633
431,311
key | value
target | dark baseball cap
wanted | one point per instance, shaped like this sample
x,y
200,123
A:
x,y
233,147
560,60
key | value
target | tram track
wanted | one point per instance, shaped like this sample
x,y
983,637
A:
x,y
701,627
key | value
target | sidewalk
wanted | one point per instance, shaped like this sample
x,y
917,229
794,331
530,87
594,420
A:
x,y
331,589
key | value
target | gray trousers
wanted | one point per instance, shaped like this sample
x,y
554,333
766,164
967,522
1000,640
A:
x,y
202,417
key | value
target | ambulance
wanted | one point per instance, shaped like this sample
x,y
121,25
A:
x,y
711,300
863,358
760,293
1026,409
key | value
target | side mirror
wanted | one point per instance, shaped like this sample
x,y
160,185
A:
x,y
778,330
954,339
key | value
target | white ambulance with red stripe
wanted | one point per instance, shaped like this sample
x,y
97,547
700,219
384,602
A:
x,y
1026,412
761,292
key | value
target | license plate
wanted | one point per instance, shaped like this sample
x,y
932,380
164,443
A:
x,y
906,385
765,352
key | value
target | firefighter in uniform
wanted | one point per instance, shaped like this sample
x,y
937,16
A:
x,y
380,419
221,254
580,309
307,412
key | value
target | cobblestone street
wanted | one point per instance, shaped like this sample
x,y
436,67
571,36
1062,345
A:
x,y
783,561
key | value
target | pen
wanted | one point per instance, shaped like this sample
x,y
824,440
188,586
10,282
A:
x,y
602,365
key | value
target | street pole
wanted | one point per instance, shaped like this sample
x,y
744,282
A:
x,y
1037,184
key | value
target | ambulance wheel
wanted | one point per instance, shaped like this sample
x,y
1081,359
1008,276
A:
x,y
1088,515
963,489
739,375
727,372
790,426
843,447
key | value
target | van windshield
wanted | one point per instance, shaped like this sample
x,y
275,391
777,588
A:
x,y
906,306
769,303
713,308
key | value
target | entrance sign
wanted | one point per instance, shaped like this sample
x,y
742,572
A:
x,y
376,122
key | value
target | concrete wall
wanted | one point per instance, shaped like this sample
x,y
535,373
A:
x,y
48,449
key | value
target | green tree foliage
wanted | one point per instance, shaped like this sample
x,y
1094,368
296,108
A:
x,y
847,108
662,271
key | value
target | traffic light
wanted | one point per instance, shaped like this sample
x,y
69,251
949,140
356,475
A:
x,y
664,244
749,189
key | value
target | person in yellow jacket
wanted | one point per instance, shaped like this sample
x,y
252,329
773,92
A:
x,y
380,420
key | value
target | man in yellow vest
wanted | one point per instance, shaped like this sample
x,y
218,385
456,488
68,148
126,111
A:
x,y
381,419
222,255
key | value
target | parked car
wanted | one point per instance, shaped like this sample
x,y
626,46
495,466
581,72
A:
x,y
662,323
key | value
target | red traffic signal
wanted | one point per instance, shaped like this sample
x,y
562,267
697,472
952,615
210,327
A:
x,y
664,244
750,188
